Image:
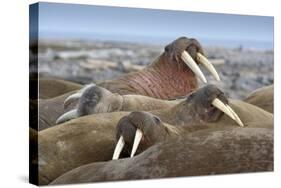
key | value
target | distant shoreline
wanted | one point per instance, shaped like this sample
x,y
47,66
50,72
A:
x,y
158,40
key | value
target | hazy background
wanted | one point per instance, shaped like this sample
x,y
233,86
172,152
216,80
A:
x,y
86,43
71,21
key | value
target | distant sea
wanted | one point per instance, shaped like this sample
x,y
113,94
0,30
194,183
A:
x,y
158,40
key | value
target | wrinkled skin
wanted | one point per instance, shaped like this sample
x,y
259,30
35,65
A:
x,y
93,136
95,99
199,153
158,80
262,98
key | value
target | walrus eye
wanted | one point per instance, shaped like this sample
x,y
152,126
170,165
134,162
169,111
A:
x,y
157,120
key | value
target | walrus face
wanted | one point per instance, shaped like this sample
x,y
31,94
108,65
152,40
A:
x,y
138,131
200,103
174,73
96,99
207,104
91,99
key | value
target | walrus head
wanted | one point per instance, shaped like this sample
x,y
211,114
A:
x,y
171,75
90,100
206,104
138,131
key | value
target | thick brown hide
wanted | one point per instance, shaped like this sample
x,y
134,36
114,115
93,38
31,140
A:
x,y
168,77
50,110
205,152
92,138
263,98
50,88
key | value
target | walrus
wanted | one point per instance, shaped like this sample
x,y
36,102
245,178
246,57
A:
x,y
92,138
171,75
263,98
205,152
50,88
95,99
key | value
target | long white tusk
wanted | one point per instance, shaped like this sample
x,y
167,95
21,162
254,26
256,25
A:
x,y
208,65
220,105
67,116
227,110
71,99
137,140
118,148
238,120
193,66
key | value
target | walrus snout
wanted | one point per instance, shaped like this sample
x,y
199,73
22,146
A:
x,y
178,46
136,132
209,103
190,52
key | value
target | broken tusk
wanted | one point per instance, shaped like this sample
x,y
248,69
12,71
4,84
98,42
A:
x,y
193,66
118,148
70,99
137,140
238,120
208,65
67,116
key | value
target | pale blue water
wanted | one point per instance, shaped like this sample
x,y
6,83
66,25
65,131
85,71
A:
x,y
249,44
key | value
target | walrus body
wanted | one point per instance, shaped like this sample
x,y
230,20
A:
x,y
263,98
50,88
199,153
93,138
50,109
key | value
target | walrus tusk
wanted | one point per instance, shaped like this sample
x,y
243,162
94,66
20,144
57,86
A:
x,y
227,110
193,66
208,65
76,96
67,116
238,120
71,99
118,148
137,140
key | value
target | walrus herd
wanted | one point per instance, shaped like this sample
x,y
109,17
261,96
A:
x,y
152,123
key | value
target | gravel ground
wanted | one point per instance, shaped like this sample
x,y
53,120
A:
x,y
241,70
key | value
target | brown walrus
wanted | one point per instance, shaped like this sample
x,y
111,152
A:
x,y
263,98
51,87
204,152
171,75
93,136
94,99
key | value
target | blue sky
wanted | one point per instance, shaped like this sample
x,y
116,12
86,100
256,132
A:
x,y
160,26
